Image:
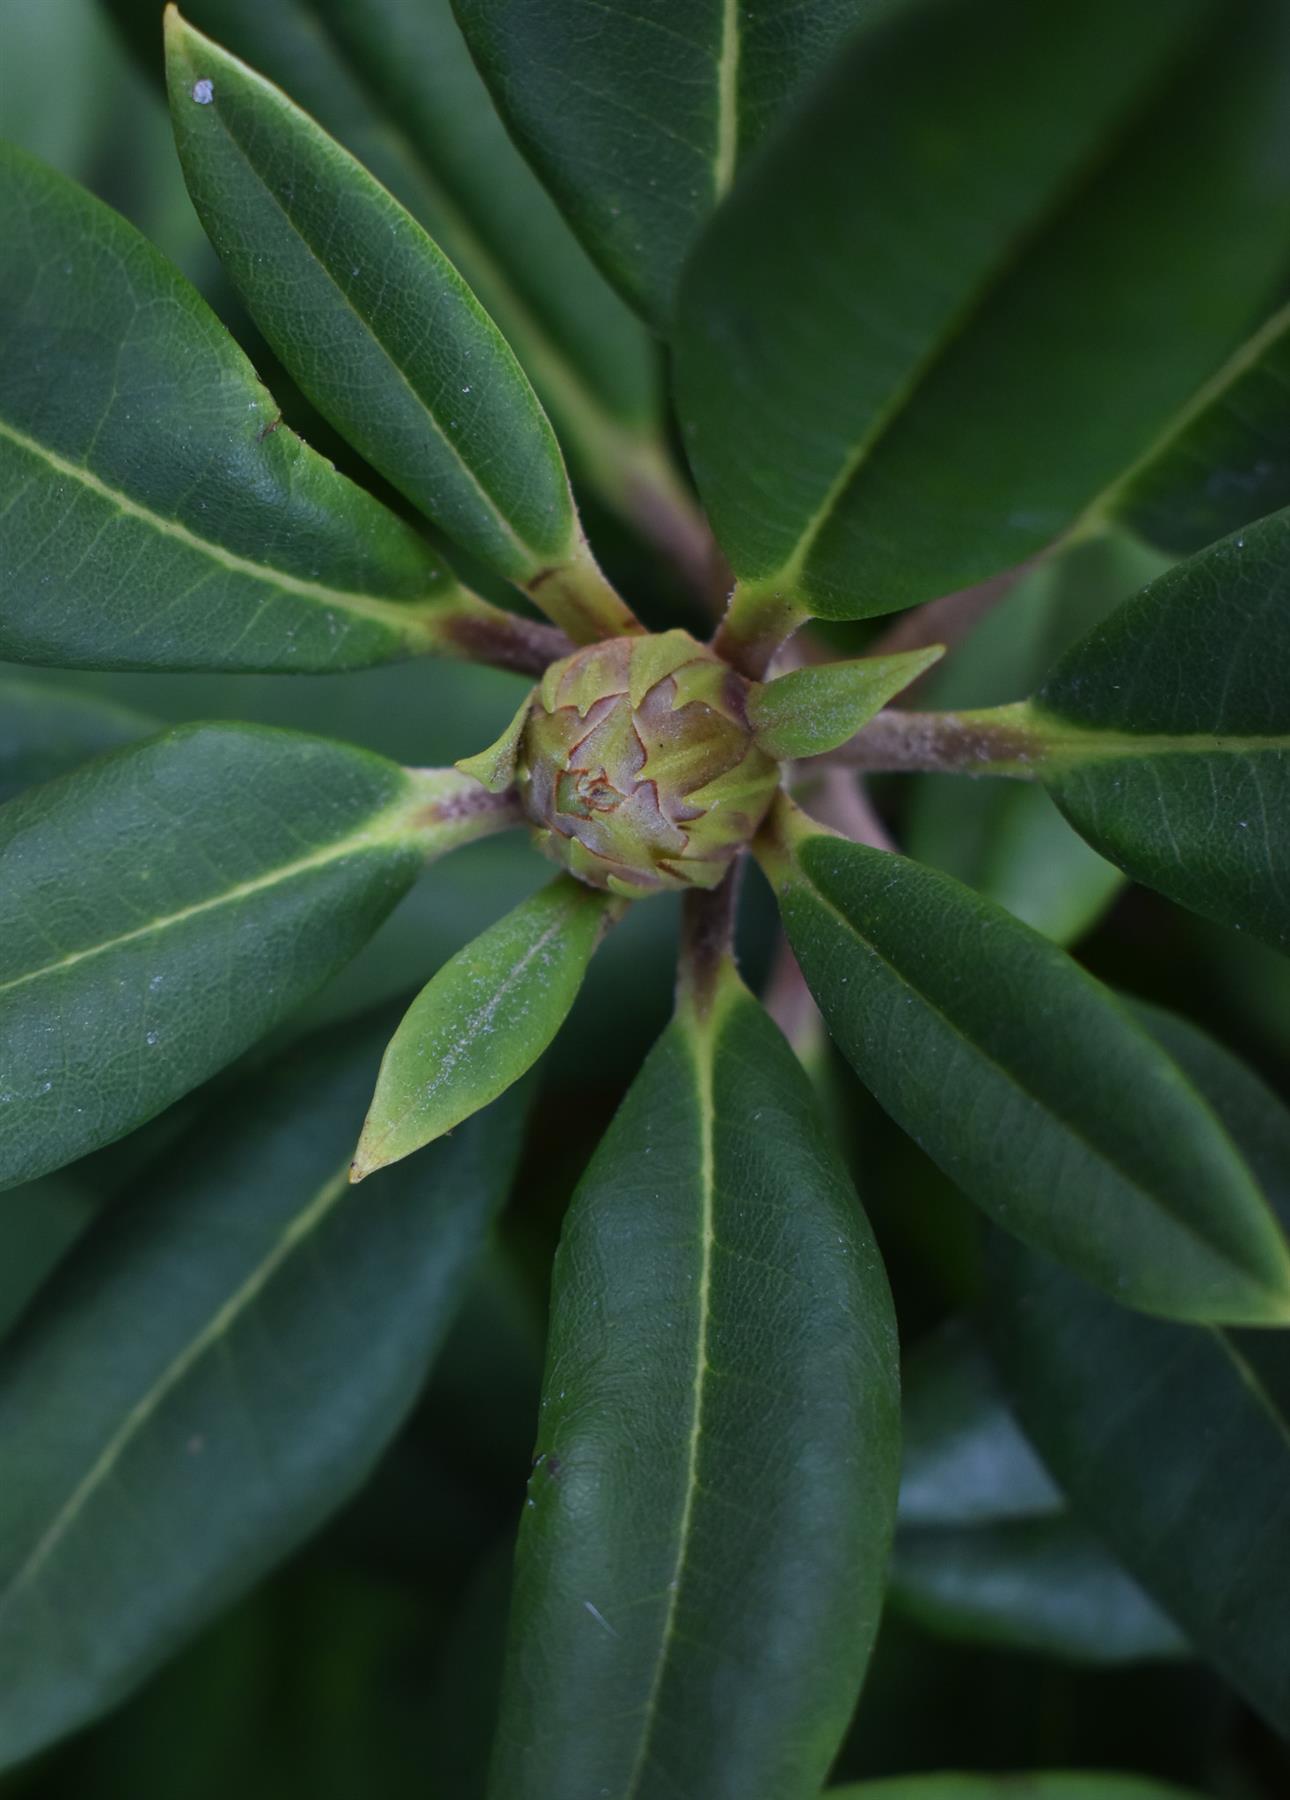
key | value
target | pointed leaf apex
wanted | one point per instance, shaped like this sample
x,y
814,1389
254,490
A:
x,y
494,768
810,711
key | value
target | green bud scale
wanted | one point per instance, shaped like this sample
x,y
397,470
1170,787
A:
x,y
636,764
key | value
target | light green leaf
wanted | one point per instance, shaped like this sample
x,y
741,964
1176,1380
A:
x,y
1080,1784
214,1370
886,385
165,906
46,730
1173,1442
1164,736
986,1547
638,122
380,330
1007,838
393,82
809,711
700,1562
157,514
1029,1083
483,1020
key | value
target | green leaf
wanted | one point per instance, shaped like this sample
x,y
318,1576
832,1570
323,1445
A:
x,y
700,1560
393,82
885,385
1081,1784
986,1547
638,122
215,1369
1164,736
483,1020
1029,1083
379,329
45,730
165,906
158,515
39,1223
809,711
1173,1442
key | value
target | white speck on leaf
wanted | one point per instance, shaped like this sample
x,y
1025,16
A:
x,y
203,92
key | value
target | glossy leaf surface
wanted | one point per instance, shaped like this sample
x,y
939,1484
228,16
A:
x,y
1167,733
158,514
1030,1085
45,730
483,1020
639,120
700,1562
163,907
1174,1442
370,317
884,384
393,82
812,710
167,1440
986,1548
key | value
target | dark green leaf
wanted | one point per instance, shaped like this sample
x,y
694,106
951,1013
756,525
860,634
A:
x,y
45,730
212,1372
157,514
811,710
1081,1784
986,1548
700,1561
639,120
885,384
1224,461
483,1020
378,328
1030,1084
164,907
1174,1442
393,82
1165,734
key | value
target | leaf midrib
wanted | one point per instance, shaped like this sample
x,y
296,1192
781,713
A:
x,y
1100,1156
1066,193
383,832
526,550
399,615
221,1322
702,1059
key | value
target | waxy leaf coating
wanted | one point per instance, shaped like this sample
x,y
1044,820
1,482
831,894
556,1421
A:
x,y
482,1021
165,906
1165,734
639,118
158,514
373,321
712,1497
1173,1442
1031,1085
213,1371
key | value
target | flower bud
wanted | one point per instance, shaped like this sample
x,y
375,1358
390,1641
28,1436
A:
x,y
636,765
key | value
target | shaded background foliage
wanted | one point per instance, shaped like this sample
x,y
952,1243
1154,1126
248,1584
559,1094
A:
x,y
372,1656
